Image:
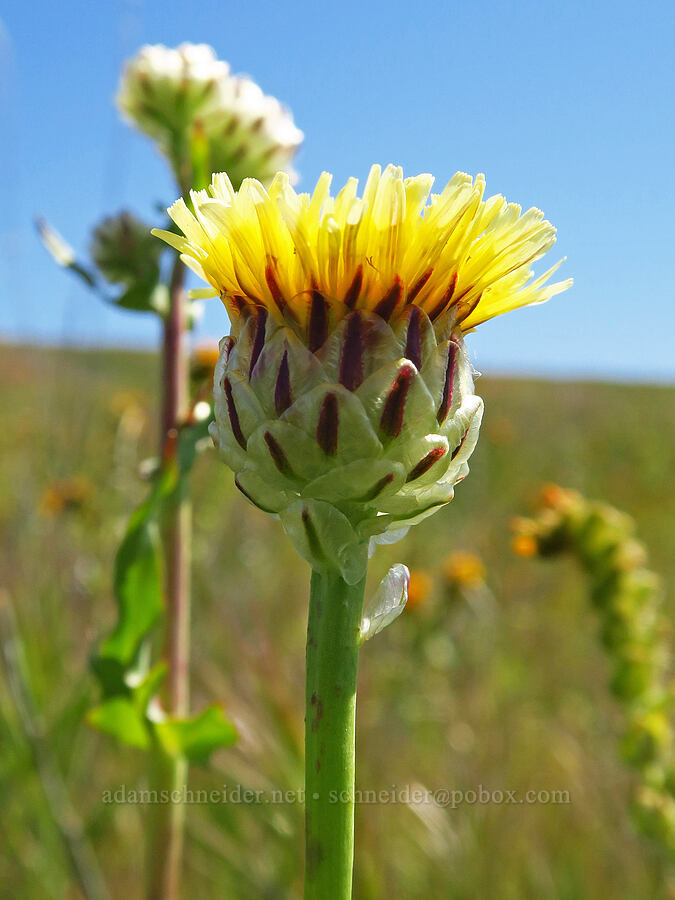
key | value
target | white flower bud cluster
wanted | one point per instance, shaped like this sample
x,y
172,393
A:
x,y
173,94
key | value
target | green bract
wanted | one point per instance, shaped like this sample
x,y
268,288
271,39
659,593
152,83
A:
x,y
355,441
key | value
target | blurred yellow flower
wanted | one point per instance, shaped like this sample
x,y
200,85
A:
x,y
463,569
203,362
552,496
524,545
419,589
66,495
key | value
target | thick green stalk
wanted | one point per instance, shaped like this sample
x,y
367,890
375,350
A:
x,y
333,637
169,774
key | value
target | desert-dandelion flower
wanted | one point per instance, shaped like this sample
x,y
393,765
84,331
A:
x,y
463,569
344,398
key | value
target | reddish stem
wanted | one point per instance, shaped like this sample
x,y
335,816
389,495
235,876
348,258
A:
x,y
165,848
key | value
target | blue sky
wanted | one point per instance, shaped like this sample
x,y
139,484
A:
x,y
565,106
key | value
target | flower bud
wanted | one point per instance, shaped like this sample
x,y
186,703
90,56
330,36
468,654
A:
x,y
349,441
186,97
124,251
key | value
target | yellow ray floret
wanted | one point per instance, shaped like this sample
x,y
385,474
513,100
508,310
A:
x,y
396,245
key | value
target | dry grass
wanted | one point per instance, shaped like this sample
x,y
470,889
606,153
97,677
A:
x,y
503,685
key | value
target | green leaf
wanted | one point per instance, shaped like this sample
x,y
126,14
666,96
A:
x,y
138,586
85,274
189,443
196,738
124,251
142,296
119,718
110,674
145,690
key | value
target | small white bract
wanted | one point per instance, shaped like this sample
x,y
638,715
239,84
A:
x,y
387,603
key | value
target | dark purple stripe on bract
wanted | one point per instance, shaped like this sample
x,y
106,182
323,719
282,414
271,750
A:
x,y
258,339
445,299
391,421
245,493
232,412
282,389
426,463
228,346
377,489
311,535
327,429
351,361
390,301
248,496
278,456
413,348
446,399
460,445
318,322
354,289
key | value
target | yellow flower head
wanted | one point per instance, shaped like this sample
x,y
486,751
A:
x,y
419,589
203,361
525,544
552,496
344,398
67,495
464,569
309,260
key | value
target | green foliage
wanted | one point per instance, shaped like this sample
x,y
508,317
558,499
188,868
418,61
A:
x,y
124,255
200,159
197,737
127,256
121,662
192,438
137,585
124,250
130,721
120,718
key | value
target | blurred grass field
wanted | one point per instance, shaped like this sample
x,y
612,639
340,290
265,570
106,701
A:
x,y
505,687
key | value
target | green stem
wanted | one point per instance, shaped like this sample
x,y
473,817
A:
x,y
165,825
333,638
